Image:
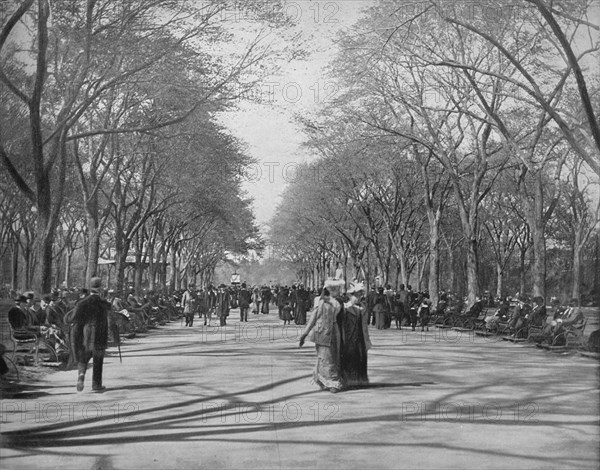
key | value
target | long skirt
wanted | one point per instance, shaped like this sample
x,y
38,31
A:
x,y
327,369
353,352
380,320
300,317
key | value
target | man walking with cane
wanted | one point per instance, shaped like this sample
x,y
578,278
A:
x,y
90,334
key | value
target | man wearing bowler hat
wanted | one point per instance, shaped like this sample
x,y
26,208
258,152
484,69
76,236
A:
x,y
90,334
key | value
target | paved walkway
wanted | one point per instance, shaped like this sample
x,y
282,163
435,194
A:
x,y
242,398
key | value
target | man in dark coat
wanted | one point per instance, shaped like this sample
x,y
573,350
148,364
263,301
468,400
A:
x,y
371,304
412,305
302,305
223,300
402,306
89,335
282,298
244,299
21,321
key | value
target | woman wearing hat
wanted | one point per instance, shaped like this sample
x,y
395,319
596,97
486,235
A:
x,y
324,332
380,309
355,341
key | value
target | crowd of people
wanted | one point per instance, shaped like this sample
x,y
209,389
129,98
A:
x,y
335,319
292,303
51,317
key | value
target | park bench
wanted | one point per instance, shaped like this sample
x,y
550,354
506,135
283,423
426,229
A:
x,y
569,339
479,322
24,340
13,371
465,322
573,336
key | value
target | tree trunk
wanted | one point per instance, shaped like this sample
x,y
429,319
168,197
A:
x,y
434,259
173,269
138,272
576,291
27,257
499,281
178,274
419,277
42,277
93,248
403,268
15,265
163,269
68,259
597,267
535,219
523,280
120,264
472,275
151,266
58,272
539,259
451,273
121,250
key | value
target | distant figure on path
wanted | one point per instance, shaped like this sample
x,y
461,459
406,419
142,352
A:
x,y
265,295
223,299
244,299
189,304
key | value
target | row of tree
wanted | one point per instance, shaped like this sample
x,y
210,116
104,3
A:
x,y
110,141
468,132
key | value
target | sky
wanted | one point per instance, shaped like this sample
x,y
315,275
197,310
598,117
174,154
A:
x,y
269,130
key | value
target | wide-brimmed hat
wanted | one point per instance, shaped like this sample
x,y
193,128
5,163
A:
x,y
355,287
334,283
21,298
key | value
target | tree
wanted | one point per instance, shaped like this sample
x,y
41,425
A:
x,y
85,50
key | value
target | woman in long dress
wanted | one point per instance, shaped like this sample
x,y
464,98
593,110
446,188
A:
x,y
324,332
380,309
355,341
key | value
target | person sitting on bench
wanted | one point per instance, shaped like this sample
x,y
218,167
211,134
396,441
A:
x,y
571,318
536,317
21,320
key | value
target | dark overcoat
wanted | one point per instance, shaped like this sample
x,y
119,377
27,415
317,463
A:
x,y
90,326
